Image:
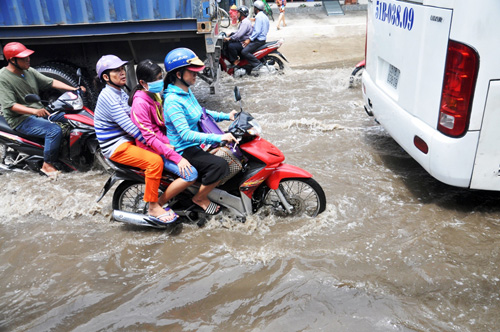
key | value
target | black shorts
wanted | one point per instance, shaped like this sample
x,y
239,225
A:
x,y
210,168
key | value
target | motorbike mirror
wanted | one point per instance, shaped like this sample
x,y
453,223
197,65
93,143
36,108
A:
x,y
79,74
237,95
32,98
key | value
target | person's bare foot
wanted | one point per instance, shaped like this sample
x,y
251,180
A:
x,y
50,171
48,168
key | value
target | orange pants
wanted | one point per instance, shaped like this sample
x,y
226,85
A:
x,y
132,155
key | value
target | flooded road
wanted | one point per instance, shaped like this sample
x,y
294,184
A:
x,y
395,250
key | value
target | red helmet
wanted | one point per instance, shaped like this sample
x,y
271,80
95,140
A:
x,y
16,50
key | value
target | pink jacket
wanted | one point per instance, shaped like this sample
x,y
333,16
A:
x,y
147,114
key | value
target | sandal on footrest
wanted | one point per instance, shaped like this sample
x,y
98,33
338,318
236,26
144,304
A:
x,y
158,220
212,209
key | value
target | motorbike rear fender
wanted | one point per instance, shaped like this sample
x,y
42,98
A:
x,y
280,54
117,176
111,181
285,171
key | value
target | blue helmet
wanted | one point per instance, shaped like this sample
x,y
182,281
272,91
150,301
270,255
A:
x,y
183,57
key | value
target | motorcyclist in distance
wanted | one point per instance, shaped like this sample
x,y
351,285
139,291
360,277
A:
x,y
258,36
236,39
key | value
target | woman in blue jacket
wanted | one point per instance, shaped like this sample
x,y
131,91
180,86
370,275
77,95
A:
x,y
182,114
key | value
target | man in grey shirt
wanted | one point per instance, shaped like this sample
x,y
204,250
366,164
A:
x,y
235,40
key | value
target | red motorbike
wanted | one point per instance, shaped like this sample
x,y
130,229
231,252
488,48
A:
x,y
79,148
268,55
262,180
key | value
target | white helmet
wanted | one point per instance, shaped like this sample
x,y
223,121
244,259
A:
x,y
259,5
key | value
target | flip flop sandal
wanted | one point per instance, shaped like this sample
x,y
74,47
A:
x,y
212,209
158,220
168,208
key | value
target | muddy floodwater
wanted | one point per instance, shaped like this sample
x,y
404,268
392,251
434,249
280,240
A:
x,y
395,249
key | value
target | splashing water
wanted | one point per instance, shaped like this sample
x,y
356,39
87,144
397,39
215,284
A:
x,y
394,251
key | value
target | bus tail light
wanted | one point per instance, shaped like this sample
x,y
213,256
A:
x,y
462,64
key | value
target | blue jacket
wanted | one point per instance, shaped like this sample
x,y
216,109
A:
x,y
182,114
260,28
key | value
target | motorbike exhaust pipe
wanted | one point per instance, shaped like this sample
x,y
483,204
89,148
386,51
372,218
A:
x,y
134,219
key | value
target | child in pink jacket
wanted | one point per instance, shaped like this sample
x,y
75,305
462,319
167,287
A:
x,y
147,114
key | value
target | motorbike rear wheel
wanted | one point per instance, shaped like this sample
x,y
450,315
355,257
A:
x,y
3,153
128,197
8,158
274,60
356,76
305,195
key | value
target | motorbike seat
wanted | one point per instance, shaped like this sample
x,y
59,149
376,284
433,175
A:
x,y
267,44
4,126
127,167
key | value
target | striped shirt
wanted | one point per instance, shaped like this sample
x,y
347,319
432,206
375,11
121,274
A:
x,y
182,114
112,122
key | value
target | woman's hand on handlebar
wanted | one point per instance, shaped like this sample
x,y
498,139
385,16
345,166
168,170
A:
x,y
228,138
232,114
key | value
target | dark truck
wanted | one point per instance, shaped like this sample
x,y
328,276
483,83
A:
x,y
71,34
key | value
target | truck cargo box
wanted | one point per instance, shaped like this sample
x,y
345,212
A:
x,y
70,34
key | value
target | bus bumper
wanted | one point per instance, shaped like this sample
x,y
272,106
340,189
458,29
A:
x,y
449,160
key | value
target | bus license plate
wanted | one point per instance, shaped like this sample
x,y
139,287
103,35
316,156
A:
x,y
393,76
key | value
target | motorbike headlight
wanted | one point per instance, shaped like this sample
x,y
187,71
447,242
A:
x,y
78,124
73,99
256,129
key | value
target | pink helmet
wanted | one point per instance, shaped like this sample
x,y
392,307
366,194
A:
x,y
108,62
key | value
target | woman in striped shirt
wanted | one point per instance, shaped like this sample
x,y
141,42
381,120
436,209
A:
x,y
116,133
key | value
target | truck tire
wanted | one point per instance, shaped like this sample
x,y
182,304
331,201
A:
x,y
66,73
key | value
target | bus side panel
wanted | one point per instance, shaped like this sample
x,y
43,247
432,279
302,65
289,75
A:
x,y
486,173
477,24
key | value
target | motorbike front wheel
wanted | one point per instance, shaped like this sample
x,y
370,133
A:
x,y
304,195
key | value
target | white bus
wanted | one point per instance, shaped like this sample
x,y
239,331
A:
x,y
432,79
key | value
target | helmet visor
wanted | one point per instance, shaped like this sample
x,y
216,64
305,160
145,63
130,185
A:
x,y
195,62
195,68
